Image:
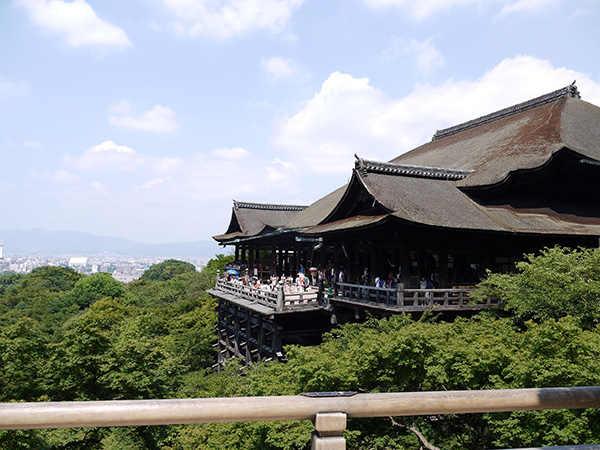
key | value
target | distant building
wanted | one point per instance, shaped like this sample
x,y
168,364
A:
x,y
78,261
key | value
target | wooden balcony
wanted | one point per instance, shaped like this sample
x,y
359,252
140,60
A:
x,y
407,300
285,299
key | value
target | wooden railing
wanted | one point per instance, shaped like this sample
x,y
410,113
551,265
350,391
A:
x,y
409,299
396,299
279,299
328,411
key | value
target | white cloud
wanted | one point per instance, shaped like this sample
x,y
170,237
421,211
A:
x,y
106,155
33,144
423,9
312,151
281,170
278,68
153,183
350,116
10,88
425,55
76,21
167,164
96,185
61,177
232,153
419,9
226,18
121,108
159,119
523,6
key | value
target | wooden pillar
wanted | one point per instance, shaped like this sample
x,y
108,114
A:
x,y
328,435
353,269
485,262
280,257
421,262
405,265
443,273
251,262
237,252
294,265
336,261
375,269
261,338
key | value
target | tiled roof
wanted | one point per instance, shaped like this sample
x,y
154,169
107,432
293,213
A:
x,y
568,91
365,166
267,206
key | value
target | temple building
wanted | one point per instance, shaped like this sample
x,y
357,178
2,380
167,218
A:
x,y
477,197
430,223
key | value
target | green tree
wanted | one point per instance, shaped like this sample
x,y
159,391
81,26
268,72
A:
x,y
22,355
8,279
217,264
557,282
167,270
93,288
42,281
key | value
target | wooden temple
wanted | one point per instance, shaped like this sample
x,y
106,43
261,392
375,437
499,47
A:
x,y
477,196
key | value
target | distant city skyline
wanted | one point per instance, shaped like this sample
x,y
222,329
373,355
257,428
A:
x,y
144,120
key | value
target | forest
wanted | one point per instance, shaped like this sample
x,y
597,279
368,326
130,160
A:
x,y
69,337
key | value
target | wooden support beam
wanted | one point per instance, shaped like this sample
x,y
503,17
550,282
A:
x,y
328,432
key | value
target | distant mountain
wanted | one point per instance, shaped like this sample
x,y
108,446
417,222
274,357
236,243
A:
x,y
40,241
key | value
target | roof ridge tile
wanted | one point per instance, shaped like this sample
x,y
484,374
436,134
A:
x,y
268,206
568,91
365,166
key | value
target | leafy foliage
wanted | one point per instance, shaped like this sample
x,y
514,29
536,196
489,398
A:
x,y
167,269
556,283
88,338
69,337
93,288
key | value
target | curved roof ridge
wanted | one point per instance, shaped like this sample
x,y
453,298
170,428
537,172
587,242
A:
x,y
268,206
365,166
568,91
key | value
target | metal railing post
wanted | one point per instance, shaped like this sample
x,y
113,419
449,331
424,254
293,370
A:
x,y
328,435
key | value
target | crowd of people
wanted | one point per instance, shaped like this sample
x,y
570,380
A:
x,y
300,283
316,277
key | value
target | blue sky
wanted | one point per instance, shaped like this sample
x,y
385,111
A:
x,y
145,118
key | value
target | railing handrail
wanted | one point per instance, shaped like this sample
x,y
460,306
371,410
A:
x,y
299,407
409,299
403,289
267,297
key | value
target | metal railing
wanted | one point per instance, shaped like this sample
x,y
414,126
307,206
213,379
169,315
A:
x,y
328,411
